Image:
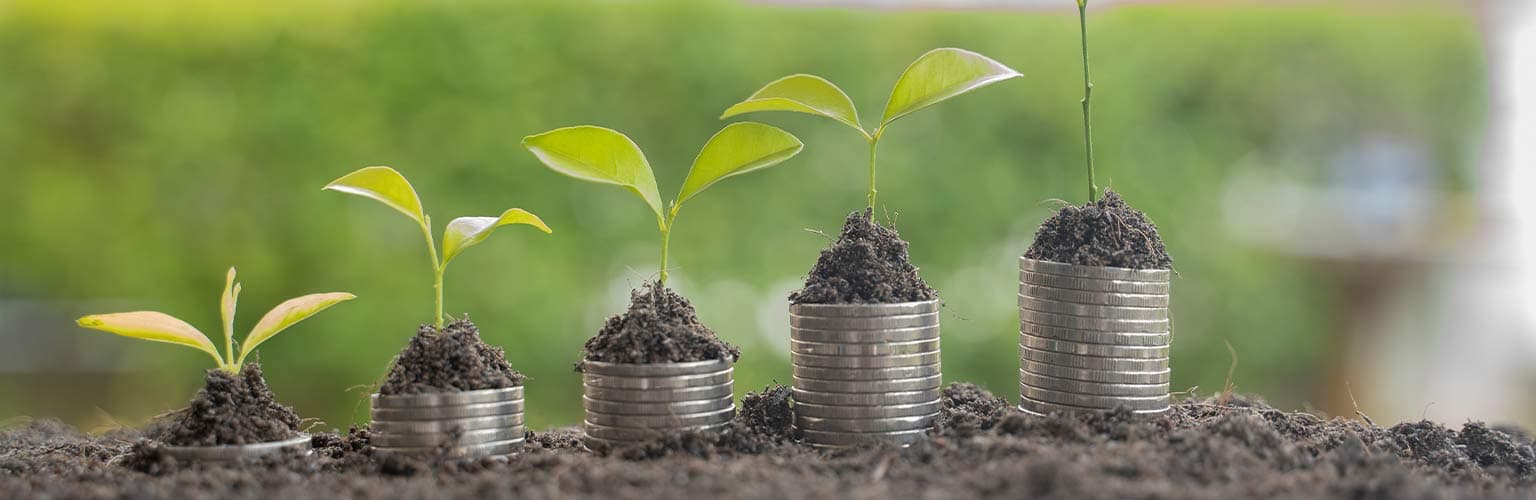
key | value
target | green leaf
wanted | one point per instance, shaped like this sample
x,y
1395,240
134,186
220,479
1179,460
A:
x,y
465,232
941,74
285,315
227,309
599,155
737,149
152,326
385,185
800,93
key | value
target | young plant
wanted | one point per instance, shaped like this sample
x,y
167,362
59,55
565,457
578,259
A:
x,y
606,156
161,327
385,185
1082,24
934,77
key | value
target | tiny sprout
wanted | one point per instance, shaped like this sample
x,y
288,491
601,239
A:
x,y
605,156
161,327
385,185
934,77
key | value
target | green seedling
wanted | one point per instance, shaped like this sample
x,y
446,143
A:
x,y
385,185
605,156
161,327
934,77
1082,25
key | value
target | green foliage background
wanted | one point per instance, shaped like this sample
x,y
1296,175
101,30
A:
x,y
146,147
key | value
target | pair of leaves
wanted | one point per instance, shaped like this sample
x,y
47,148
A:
x,y
934,77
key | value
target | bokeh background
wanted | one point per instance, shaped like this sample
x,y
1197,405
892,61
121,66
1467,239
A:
x,y
1325,174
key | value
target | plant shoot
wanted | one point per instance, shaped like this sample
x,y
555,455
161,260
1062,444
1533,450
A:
x,y
1082,24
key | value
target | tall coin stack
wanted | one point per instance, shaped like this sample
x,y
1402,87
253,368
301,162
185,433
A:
x,y
466,424
1092,338
865,373
627,402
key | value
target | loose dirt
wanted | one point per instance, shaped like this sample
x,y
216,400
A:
x,y
451,360
229,409
659,327
1107,232
868,264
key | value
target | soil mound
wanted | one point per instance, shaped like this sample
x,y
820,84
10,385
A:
x,y
968,410
451,360
659,327
867,265
1107,232
230,409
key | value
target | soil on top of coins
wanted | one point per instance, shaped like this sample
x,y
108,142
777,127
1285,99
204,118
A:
x,y
1215,448
451,360
868,264
1107,232
231,408
659,327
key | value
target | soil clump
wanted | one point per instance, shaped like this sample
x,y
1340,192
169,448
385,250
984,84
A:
x,y
659,327
868,264
451,360
230,409
1107,232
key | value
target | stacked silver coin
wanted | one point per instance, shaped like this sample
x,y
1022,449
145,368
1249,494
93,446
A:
x,y
1092,338
466,424
237,452
628,403
865,373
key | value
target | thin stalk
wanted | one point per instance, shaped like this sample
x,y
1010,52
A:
x,y
666,240
1082,22
873,141
437,269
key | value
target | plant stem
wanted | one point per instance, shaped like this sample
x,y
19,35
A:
x,y
873,141
666,240
437,269
1082,21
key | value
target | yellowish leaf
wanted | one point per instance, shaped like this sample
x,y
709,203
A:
x,y
601,155
737,149
941,74
227,310
152,326
285,315
384,185
465,232
801,93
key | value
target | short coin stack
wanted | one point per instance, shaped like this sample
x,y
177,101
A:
x,y
865,373
466,424
1092,338
629,402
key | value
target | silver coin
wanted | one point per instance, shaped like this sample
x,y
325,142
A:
x,y
867,373
654,369
634,434
445,412
233,452
660,395
871,323
1095,324
674,382
888,424
891,361
1092,401
1091,311
881,411
881,349
438,399
675,408
1099,298
1093,363
893,385
462,451
832,438
1042,408
1093,285
1094,388
865,310
1100,350
446,425
662,421
1094,272
1106,376
866,399
422,440
1091,337
865,336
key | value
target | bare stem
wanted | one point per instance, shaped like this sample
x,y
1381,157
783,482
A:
x,y
873,141
1082,21
666,240
437,269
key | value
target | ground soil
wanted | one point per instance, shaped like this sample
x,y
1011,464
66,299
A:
x,y
868,264
451,360
1217,448
659,327
229,409
1107,232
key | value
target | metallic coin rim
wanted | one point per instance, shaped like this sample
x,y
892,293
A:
x,y
866,399
660,395
868,349
655,369
631,408
854,362
865,310
1092,310
886,424
416,440
1106,376
230,452
1093,350
1095,324
446,425
1092,337
846,439
1094,298
1092,388
864,336
869,386
1095,272
863,374
870,411
1093,285
1069,409
440,399
869,323
1083,400
644,434
674,382
1093,362
450,412
474,450
661,421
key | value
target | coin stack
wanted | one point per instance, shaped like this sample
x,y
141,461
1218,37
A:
x,y
865,373
237,452
1092,338
629,402
466,424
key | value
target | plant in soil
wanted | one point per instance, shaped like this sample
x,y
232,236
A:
x,y
235,406
660,325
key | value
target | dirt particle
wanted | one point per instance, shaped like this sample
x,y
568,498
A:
x,y
1107,232
659,327
968,410
868,264
230,409
451,360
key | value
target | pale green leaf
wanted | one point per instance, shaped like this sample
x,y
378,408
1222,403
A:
x,y
941,74
285,315
465,232
152,326
801,93
385,185
601,155
737,149
227,309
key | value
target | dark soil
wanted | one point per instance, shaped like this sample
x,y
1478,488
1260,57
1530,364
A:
x,y
659,327
451,360
1107,232
1201,449
868,264
229,409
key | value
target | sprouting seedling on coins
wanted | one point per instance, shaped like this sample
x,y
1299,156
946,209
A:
x,y
605,156
934,77
385,185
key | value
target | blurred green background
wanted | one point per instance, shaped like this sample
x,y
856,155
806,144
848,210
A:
x,y
146,147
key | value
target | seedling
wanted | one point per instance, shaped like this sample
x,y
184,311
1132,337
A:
x,y
934,77
385,185
1082,24
161,327
605,156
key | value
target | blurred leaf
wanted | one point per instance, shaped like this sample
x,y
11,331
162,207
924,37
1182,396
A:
x,y
737,149
465,232
599,155
801,93
152,326
941,74
285,315
227,309
385,185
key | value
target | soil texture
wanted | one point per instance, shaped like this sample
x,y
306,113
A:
x,y
229,409
659,327
451,360
1107,232
868,264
